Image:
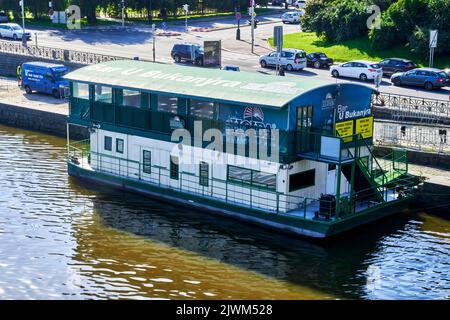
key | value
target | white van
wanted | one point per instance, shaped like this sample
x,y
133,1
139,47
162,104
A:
x,y
290,59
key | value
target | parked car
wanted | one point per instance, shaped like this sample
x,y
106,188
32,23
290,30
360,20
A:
x,y
290,59
292,17
3,17
300,4
189,52
278,3
429,78
318,60
363,70
394,65
44,77
13,31
231,68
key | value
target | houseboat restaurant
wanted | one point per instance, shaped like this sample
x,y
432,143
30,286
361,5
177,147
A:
x,y
308,170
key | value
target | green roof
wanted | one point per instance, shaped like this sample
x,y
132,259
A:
x,y
213,84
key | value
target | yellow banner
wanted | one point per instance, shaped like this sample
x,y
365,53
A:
x,y
364,126
345,130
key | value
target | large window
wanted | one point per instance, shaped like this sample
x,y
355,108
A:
x,y
203,109
131,98
204,174
174,168
103,94
80,90
252,177
304,117
147,161
167,104
108,143
302,180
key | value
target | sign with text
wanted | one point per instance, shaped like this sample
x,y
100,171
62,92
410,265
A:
x,y
345,130
278,37
364,126
212,53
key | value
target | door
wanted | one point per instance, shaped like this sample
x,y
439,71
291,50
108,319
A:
x,y
408,78
346,69
304,141
331,179
272,59
47,86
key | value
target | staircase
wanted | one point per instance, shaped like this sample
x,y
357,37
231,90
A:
x,y
371,183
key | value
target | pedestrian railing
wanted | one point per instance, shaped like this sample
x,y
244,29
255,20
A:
x,y
406,108
63,55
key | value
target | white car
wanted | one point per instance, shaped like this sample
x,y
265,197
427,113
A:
x,y
300,4
292,17
363,70
13,31
290,59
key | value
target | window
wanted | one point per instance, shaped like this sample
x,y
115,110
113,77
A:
x,y
252,177
304,117
103,94
108,143
302,180
204,174
174,168
80,90
167,104
119,145
241,175
147,161
131,98
266,180
202,109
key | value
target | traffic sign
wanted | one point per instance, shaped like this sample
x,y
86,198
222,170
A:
x,y
433,38
238,16
278,37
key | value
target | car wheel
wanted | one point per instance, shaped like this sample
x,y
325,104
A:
x,y
15,36
397,71
397,82
289,67
335,73
28,90
55,94
177,58
363,77
199,62
428,86
263,63
317,65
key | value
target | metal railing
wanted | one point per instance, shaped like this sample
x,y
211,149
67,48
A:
x,y
63,55
422,110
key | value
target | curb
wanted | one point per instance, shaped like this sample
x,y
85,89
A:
x,y
168,34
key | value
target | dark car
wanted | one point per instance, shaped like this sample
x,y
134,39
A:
x,y
318,60
278,3
3,17
429,78
189,52
394,65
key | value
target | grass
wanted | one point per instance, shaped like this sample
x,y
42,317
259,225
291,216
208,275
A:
x,y
356,49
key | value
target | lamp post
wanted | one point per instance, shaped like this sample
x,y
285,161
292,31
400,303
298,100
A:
x,y
22,5
154,40
123,13
252,10
186,11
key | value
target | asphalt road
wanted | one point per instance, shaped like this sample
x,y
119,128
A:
x,y
137,41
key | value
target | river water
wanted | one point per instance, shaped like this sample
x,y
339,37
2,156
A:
x,y
64,239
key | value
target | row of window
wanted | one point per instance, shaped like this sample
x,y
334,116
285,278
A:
x,y
235,174
132,98
109,146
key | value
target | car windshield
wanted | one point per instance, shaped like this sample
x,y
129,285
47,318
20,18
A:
x,y
442,74
322,55
16,27
300,54
58,74
375,66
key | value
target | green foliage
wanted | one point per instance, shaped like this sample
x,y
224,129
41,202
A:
x,y
337,20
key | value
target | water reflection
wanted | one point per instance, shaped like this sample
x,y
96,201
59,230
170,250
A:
x,y
62,238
